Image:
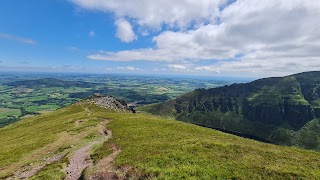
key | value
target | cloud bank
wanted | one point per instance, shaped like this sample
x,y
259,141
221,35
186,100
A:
x,y
272,37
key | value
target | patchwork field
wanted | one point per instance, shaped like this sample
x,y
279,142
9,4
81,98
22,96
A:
x,y
34,93
5,112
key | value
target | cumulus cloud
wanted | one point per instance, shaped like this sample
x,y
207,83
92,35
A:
x,y
17,38
273,37
124,31
152,14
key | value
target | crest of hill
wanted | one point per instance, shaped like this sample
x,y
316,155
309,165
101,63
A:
x,y
108,102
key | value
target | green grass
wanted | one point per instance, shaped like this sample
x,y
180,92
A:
x,y
162,109
101,151
287,87
169,149
42,107
52,171
153,147
32,139
5,112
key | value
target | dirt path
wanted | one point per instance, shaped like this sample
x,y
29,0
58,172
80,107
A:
x,y
29,171
103,169
78,161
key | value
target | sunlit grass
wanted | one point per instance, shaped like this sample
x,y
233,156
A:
x,y
170,149
155,147
32,139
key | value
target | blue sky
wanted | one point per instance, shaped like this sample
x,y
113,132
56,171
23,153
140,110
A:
x,y
61,34
200,38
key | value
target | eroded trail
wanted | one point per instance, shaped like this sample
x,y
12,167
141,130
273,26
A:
x,y
29,171
104,169
78,161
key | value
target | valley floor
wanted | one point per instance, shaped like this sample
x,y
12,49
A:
x,y
142,146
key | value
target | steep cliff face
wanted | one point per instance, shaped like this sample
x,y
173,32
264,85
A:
x,y
260,106
292,99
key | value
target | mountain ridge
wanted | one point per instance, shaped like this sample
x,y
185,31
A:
x,y
259,107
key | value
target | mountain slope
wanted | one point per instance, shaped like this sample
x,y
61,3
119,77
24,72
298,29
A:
x,y
143,146
272,108
28,145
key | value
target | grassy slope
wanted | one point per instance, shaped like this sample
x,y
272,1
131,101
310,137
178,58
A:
x,y
33,139
172,149
274,92
157,147
162,109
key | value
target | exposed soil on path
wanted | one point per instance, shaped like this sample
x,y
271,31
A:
x,y
30,171
104,169
78,161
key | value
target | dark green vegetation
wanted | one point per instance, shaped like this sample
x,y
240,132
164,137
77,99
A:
x,y
29,94
151,146
283,110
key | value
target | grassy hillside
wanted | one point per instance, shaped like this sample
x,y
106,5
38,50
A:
x,y
151,147
170,149
278,109
32,140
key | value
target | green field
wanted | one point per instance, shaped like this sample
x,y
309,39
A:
x,y
42,108
5,112
36,93
151,147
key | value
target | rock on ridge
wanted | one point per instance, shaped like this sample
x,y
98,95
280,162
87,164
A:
x,y
109,102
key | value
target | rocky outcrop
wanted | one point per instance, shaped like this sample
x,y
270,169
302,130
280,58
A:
x,y
109,102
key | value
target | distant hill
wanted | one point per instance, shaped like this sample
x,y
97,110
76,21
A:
x,y
98,138
282,109
51,82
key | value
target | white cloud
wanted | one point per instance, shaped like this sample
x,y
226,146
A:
x,y
178,66
124,31
92,34
17,38
129,68
275,36
153,14
208,68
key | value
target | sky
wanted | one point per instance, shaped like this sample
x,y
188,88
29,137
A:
x,y
242,38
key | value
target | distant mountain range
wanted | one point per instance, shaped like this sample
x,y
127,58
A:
x,y
283,110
